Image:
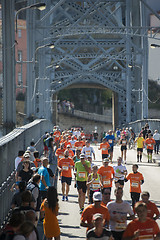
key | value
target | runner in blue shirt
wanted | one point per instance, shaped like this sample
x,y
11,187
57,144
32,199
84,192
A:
x,y
44,182
110,139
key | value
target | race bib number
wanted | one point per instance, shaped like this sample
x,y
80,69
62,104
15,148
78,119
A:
x,y
104,149
82,174
107,182
60,156
124,142
65,168
150,145
95,185
110,140
135,184
146,237
88,153
120,226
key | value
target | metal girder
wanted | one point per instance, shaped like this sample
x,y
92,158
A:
x,y
110,81
94,43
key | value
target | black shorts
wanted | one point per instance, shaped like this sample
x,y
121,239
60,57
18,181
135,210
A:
x,y
121,182
117,235
111,149
66,180
149,151
82,185
123,148
139,149
104,156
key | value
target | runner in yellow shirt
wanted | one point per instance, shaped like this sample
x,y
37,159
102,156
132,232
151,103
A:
x,y
140,146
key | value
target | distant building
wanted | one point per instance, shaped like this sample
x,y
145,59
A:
x,y
21,56
154,54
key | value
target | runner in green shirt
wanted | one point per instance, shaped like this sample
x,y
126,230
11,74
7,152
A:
x,y
82,169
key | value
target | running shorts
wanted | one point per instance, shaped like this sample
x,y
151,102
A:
x,y
66,180
139,149
123,148
82,185
104,156
149,151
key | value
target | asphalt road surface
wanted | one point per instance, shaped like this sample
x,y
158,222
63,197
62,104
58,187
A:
x,y
69,217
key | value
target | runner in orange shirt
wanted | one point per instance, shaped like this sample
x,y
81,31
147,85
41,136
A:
x,y
66,143
150,142
71,153
65,165
152,210
60,152
106,174
136,180
142,228
57,135
79,144
104,146
96,207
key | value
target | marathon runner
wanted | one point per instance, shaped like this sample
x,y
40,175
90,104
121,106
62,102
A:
x,y
106,174
136,180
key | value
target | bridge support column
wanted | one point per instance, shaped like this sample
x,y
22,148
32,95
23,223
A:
x,y
30,104
114,110
8,40
55,112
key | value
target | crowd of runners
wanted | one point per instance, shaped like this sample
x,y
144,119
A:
x,y
72,159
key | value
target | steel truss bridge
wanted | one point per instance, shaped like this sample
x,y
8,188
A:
x,y
95,42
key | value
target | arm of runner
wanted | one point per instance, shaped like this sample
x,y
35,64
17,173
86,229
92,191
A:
x,y
94,156
43,181
156,217
88,169
125,173
101,182
89,181
88,225
131,217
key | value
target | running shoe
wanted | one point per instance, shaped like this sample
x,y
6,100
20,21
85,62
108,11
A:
x,y
63,198
80,211
66,198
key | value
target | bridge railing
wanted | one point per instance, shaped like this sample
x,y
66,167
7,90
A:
x,y
91,116
18,139
153,124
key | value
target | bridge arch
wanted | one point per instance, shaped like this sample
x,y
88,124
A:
x,y
94,44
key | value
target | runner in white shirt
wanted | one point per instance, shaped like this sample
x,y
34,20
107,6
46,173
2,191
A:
x,y
87,150
72,141
119,211
120,173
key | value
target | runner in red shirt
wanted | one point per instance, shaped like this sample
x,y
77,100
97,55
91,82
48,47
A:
x,y
150,142
142,228
152,210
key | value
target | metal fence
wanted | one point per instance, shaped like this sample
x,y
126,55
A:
x,y
10,144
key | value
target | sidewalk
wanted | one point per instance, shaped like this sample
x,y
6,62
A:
x,y
68,217
155,157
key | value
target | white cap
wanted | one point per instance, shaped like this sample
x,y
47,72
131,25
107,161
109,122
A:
x,y
82,156
97,196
